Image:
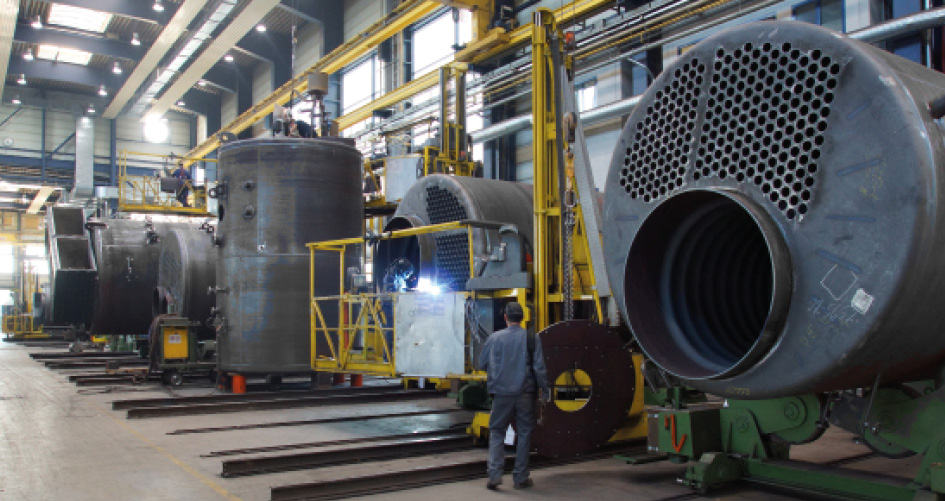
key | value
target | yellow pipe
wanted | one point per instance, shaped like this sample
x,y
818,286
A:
x,y
393,97
518,36
521,35
385,32
401,17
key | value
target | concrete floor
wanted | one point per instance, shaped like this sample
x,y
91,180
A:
x,y
58,441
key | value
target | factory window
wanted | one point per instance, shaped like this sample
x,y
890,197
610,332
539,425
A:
x,y
360,84
586,95
35,250
910,46
38,266
827,13
639,75
475,122
433,42
7,262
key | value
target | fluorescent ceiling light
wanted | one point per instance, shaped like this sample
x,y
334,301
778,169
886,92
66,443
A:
x,y
261,28
180,102
64,54
37,23
16,100
101,91
78,18
135,40
228,58
116,69
202,83
22,79
91,110
28,55
158,6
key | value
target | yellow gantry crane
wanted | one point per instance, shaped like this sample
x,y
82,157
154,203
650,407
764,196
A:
x,y
564,199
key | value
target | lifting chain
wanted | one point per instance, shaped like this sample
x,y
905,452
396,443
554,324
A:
x,y
567,261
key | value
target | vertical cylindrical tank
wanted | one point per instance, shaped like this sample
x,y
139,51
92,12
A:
x,y
276,195
126,255
187,270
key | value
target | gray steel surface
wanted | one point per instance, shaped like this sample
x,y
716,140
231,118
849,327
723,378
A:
x,y
127,253
443,257
71,267
278,195
773,214
187,268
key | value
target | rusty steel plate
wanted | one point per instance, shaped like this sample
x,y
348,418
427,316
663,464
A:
x,y
598,351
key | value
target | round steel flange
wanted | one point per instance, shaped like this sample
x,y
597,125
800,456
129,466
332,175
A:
x,y
583,345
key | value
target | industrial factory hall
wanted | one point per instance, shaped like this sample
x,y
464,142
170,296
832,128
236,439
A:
x,y
654,250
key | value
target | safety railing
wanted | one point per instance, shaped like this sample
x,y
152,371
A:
x,y
161,193
18,325
363,337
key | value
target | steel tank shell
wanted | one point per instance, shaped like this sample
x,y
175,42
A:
x,y
127,253
773,212
187,270
443,257
72,272
279,194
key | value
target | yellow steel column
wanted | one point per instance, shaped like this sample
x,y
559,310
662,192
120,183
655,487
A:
x,y
544,165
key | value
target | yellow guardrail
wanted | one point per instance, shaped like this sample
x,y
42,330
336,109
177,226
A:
x,y
20,325
162,192
364,338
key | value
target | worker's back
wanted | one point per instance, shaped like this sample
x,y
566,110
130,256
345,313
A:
x,y
505,357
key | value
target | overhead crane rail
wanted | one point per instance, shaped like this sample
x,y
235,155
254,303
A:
x,y
401,17
485,46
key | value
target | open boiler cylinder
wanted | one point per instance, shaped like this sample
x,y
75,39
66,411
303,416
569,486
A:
x,y
774,215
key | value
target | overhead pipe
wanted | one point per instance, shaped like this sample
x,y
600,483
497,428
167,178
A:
x,y
890,29
902,26
596,115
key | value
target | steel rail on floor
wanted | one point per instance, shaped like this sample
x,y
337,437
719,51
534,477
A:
x,y
333,443
423,476
306,422
98,362
411,447
257,405
246,397
84,354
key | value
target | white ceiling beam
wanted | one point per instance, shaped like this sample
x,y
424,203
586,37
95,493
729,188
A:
x,y
236,30
171,33
41,196
9,11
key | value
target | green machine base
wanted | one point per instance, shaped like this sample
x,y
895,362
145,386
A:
x,y
752,440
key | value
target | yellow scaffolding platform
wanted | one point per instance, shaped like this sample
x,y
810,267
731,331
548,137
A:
x,y
145,194
367,317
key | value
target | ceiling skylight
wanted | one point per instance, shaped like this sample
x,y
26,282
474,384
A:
x,y
78,18
63,54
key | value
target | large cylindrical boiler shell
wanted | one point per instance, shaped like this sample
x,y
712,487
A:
x,y
774,215
187,271
127,253
443,257
280,194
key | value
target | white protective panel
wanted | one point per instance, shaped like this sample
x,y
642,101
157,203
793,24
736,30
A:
x,y
430,334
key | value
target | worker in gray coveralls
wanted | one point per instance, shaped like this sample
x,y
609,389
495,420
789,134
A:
x,y
515,368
